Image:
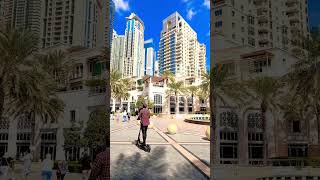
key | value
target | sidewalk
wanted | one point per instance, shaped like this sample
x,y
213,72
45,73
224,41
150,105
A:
x,y
185,155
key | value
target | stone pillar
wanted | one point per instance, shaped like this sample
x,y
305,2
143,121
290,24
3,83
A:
x,y
314,150
128,108
60,154
186,109
12,138
113,105
243,139
283,150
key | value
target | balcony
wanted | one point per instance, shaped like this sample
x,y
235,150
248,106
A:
x,y
218,2
291,3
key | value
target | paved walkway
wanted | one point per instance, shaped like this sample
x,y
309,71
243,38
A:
x,y
184,155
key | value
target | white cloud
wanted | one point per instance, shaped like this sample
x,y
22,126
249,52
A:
x,y
207,3
190,14
121,5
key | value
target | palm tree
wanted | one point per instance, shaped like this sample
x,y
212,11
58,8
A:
x,y
176,89
304,78
168,75
221,88
266,91
193,90
15,48
41,104
57,66
120,87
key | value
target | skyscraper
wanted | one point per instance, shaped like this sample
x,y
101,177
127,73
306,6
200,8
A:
x,y
134,42
180,52
76,23
260,24
117,52
149,57
22,14
63,22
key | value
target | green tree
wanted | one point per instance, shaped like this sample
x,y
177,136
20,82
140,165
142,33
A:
x,y
120,87
97,129
144,99
223,89
304,78
176,88
16,47
266,91
25,87
192,90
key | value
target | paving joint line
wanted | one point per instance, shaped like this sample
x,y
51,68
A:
x,y
195,161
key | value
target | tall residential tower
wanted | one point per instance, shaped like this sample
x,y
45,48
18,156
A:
x,y
134,45
180,52
149,57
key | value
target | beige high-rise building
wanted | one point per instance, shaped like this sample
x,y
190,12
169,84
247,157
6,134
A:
x,y
117,52
261,24
134,52
180,52
25,14
59,22
69,22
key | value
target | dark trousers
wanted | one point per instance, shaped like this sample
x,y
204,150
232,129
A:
x,y
60,176
144,133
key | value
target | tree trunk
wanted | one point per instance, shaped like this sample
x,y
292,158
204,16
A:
x,y
177,104
1,98
213,137
192,104
263,118
35,139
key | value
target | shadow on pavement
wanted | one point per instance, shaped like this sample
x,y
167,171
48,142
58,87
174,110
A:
x,y
152,167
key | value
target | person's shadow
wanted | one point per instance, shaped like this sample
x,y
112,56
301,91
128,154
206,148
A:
x,y
152,167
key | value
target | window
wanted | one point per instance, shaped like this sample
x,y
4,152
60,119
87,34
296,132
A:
x,y
251,20
233,25
233,36
233,13
72,115
218,12
297,150
218,24
229,150
296,126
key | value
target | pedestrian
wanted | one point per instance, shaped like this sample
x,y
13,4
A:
x,y
128,115
62,170
118,116
100,167
47,166
4,166
85,164
27,160
144,116
124,115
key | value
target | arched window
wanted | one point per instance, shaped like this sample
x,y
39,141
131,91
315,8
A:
x,y
157,99
255,138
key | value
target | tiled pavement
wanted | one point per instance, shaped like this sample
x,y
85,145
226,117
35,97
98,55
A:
x,y
184,155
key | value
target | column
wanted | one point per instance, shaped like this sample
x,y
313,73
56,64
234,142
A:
x,y
12,138
60,154
186,109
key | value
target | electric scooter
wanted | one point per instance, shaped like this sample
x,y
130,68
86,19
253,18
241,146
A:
x,y
139,144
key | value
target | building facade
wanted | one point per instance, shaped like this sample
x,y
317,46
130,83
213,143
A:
x,y
261,24
80,101
242,135
66,22
149,57
179,50
134,42
117,52
155,89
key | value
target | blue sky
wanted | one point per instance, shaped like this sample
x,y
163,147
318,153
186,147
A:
x,y
314,12
153,12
